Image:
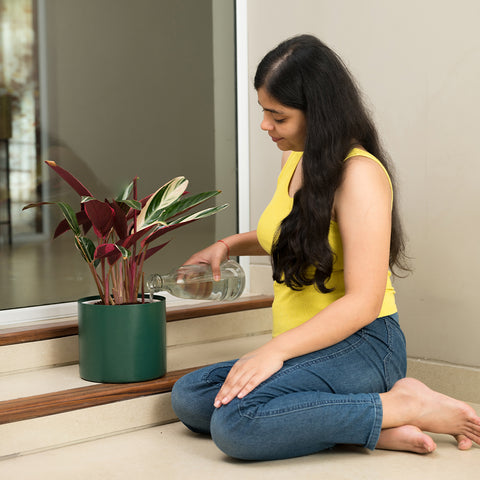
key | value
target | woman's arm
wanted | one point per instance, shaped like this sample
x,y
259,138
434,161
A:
x,y
244,244
234,245
363,211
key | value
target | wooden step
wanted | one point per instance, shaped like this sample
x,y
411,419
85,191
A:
x,y
84,397
29,347
38,418
35,422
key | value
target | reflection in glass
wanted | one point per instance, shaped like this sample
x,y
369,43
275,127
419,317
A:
x,y
18,107
124,89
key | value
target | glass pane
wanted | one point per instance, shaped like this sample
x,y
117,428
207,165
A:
x,y
122,89
18,89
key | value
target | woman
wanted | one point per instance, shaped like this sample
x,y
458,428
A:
x,y
334,369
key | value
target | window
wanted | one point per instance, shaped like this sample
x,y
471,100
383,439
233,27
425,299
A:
x,y
124,89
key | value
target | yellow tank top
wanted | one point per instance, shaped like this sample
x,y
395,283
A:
x,y
292,308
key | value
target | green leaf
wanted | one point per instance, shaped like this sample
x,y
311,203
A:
x,y
135,204
125,194
86,247
70,217
202,214
185,203
161,199
125,253
67,211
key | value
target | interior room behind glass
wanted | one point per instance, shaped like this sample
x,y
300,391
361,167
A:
x,y
110,90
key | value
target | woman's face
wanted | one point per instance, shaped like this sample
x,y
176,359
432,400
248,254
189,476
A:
x,y
286,126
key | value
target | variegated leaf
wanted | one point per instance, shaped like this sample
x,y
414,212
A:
x,y
125,194
70,217
161,199
186,203
125,253
201,214
86,247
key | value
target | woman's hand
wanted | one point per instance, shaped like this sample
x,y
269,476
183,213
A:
x,y
214,255
234,245
247,373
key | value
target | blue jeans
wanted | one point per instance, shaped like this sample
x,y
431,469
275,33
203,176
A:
x,y
312,403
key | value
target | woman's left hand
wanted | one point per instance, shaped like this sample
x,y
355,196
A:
x,y
247,373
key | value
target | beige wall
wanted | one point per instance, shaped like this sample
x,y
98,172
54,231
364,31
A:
x,y
418,64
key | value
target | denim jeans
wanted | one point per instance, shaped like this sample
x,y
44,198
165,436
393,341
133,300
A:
x,y
312,403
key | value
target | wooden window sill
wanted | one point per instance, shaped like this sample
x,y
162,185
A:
x,y
67,327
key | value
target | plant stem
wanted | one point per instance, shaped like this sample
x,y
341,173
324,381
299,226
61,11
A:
x,y
106,299
134,285
127,280
97,281
141,276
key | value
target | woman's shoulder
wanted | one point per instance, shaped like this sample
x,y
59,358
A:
x,y
363,168
360,152
359,158
360,155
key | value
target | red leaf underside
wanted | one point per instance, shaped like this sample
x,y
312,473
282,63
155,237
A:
x,y
101,214
70,179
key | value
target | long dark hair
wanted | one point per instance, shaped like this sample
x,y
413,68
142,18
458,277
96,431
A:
x,y
305,74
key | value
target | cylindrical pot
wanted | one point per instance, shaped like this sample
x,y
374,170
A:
x,y
122,343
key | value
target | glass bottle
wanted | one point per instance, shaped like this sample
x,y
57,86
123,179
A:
x,y
196,282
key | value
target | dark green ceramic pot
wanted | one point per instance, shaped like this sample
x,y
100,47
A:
x,y
121,343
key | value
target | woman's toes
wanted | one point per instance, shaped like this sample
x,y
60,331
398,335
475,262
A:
x,y
406,438
463,442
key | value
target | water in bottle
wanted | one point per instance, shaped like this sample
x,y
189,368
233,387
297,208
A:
x,y
196,282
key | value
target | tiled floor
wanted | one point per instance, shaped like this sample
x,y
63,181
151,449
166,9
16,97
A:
x,y
171,452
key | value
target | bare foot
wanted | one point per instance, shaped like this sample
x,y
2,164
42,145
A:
x,y
463,442
410,402
406,438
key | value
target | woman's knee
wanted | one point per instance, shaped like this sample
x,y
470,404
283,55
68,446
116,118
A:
x,y
230,432
241,436
193,396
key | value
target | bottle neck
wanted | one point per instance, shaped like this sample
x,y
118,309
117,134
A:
x,y
156,283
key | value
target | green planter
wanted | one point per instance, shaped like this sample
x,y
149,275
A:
x,y
121,343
